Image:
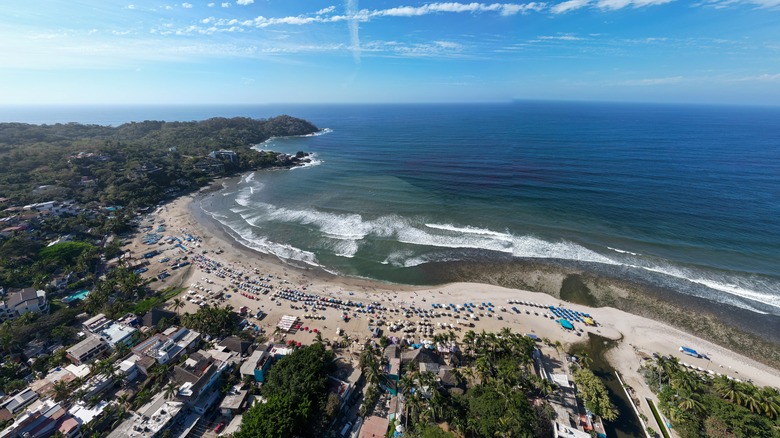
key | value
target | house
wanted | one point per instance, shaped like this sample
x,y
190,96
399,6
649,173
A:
x,y
234,403
393,373
197,377
151,420
16,403
224,155
374,427
257,365
95,386
42,421
96,323
168,345
24,301
153,317
86,415
236,344
91,347
115,334
210,166
70,428
420,355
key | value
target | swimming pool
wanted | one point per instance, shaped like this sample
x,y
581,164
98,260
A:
x,y
80,295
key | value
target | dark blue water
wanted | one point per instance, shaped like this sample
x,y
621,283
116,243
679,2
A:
x,y
687,195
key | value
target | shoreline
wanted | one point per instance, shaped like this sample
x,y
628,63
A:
x,y
639,336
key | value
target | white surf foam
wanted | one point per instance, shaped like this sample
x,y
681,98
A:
x,y
728,286
313,161
623,251
469,230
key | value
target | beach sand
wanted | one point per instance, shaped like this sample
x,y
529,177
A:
x,y
639,336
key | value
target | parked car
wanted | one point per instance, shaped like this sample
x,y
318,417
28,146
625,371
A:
x,y
219,427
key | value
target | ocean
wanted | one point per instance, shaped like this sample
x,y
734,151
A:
x,y
683,197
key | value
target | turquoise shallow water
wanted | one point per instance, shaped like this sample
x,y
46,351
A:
x,y
684,197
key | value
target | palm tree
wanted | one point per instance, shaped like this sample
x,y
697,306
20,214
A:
x,y
585,360
768,402
171,390
484,368
690,402
61,390
177,304
729,389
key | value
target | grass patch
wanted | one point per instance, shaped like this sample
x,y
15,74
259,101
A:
x,y
166,294
658,418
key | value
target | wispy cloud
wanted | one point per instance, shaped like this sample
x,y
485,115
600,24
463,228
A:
x,y
244,2
454,7
186,5
721,4
567,6
656,81
573,5
226,4
354,28
760,78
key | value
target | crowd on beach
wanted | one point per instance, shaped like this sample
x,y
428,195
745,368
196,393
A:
x,y
332,306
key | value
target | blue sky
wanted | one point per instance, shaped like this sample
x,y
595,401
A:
x,y
311,51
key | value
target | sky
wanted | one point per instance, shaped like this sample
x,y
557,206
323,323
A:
x,y
378,51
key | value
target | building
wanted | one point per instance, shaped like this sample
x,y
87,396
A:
x,y
257,365
374,427
56,208
96,323
150,421
115,334
153,317
168,345
16,403
43,421
24,301
236,344
225,156
234,403
197,377
86,350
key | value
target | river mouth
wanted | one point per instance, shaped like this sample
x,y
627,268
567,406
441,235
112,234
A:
x,y
627,424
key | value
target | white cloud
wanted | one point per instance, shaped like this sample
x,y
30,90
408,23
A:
x,y
454,7
720,4
657,81
168,7
225,4
244,2
211,5
130,6
761,78
327,10
186,5
570,5
561,38
613,4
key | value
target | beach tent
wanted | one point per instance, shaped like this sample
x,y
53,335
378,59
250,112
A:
x,y
566,324
689,351
589,321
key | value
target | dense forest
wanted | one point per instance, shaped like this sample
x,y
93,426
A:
x,y
134,164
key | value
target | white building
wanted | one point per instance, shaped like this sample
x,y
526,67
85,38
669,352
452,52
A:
x,y
24,301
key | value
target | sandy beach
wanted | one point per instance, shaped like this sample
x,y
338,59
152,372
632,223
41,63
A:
x,y
220,264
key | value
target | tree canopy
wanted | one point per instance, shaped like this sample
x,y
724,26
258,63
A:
x,y
296,394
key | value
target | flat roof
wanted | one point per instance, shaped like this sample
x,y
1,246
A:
x,y
374,427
